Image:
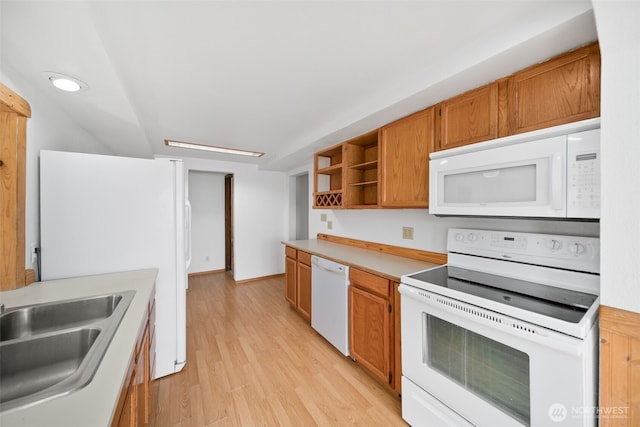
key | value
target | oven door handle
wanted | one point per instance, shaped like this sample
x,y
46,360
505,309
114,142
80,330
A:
x,y
475,318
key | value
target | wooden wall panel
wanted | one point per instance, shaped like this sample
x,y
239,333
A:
x,y
619,368
420,255
14,112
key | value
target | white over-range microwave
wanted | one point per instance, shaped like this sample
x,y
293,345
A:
x,y
553,173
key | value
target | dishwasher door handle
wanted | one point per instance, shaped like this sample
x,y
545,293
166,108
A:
x,y
326,265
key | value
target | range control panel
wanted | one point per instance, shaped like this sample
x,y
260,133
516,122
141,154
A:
x,y
570,252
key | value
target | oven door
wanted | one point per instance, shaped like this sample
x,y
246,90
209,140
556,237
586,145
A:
x,y
491,369
525,179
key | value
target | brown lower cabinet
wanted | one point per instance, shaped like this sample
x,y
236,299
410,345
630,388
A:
x,y
372,326
374,315
134,404
298,281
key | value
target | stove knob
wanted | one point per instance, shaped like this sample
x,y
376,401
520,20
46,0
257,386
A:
x,y
577,248
554,244
459,237
472,237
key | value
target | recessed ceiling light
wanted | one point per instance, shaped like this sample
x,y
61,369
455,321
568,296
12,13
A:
x,y
65,83
194,146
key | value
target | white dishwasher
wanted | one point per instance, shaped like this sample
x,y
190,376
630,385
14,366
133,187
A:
x,y
330,302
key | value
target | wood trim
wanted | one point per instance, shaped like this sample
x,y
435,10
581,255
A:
x,y
620,321
417,254
14,102
14,112
205,273
29,276
257,279
619,367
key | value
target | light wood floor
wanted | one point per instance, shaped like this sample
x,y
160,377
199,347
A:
x,y
251,360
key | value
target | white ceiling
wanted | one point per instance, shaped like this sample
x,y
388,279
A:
x,y
284,78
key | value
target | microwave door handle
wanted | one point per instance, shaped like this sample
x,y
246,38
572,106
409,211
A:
x,y
556,182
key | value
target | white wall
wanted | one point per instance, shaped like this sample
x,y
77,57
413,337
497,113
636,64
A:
x,y
261,213
49,128
260,216
385,225
619,35
206,194
619,229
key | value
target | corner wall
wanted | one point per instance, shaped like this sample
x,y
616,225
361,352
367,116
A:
x,y
49,128
619,34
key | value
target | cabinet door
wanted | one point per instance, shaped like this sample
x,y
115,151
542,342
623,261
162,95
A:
x,y
369,321
562,90
290,280
404,155
304,290
469,118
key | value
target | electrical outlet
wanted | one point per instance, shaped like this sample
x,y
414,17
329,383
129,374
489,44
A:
x,y
329,225
323,217
407,233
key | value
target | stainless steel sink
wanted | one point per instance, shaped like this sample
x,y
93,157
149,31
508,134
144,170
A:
x,y
27,367
37,319
50,350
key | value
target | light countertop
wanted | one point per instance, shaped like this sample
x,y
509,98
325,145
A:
x,y
94,404
390,266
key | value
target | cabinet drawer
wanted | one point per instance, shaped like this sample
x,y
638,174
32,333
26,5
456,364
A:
x,y
371,282
290,252
304,258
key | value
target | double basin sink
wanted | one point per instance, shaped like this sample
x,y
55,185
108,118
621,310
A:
x,y
52,349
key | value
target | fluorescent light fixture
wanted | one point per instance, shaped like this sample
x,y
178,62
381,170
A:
x,y
65,83
203,147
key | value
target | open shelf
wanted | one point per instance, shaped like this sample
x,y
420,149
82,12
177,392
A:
x,y
331,170
372,164
328,178
364,183
361,158
346,175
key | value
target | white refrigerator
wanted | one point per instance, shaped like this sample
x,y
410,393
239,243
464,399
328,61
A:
x,y
102,214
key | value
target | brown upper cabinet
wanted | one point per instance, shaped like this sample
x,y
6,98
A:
x,y
561,90
389,167
470,117
404,156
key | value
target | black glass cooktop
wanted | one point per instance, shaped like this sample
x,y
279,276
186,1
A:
x,y
547,300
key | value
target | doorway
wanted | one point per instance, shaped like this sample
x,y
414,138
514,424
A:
x,y
211,197
299,206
